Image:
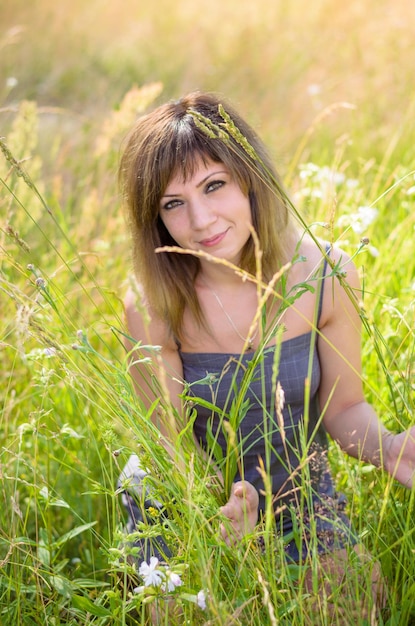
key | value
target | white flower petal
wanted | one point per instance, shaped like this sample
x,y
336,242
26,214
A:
x,y
201,600
154,562
173,581
151,576
153,579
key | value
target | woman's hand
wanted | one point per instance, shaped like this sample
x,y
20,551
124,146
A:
x,y
241,511
399,456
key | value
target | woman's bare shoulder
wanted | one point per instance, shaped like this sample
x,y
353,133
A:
x,y
342,289
314,251
143,323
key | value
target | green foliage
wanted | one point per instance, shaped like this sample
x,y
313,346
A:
x,y
69,413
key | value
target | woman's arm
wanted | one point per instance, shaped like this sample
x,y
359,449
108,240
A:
x,y
348,418
160,379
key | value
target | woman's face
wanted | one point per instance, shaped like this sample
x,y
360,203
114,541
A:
x,y
208,212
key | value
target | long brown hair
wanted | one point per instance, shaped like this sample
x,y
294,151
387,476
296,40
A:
x,y
164,143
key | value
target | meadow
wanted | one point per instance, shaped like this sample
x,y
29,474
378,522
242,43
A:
x,y
330,88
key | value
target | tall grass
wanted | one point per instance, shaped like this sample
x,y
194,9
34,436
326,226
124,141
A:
x,y
70,417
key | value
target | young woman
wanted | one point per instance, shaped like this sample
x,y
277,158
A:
x,y
196,177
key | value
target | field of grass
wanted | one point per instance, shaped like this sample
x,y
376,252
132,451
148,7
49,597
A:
x,y
329,86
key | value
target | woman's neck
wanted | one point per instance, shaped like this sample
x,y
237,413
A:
x,y
220,276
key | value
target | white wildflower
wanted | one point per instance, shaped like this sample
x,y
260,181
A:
x,y
151,575
308,170
328,175
363,218
11,82
360,220
49,352
352,183
172,581
314,89
201,600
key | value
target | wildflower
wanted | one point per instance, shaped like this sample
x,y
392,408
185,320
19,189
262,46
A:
x,y
201,600
363,218
40,282
153,511
150,573
11,82
360,220
352,183
172,581
314,89
49,352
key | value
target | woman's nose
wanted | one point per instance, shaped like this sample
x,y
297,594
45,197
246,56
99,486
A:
x,y
201,215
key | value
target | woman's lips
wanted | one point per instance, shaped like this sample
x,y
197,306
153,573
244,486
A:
x,y
213,241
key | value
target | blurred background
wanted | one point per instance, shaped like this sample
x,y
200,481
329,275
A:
x,y
282,62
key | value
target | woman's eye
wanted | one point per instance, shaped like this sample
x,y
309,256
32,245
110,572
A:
x,y
171,204
214,184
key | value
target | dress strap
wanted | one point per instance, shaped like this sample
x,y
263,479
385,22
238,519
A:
x,y
321,290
